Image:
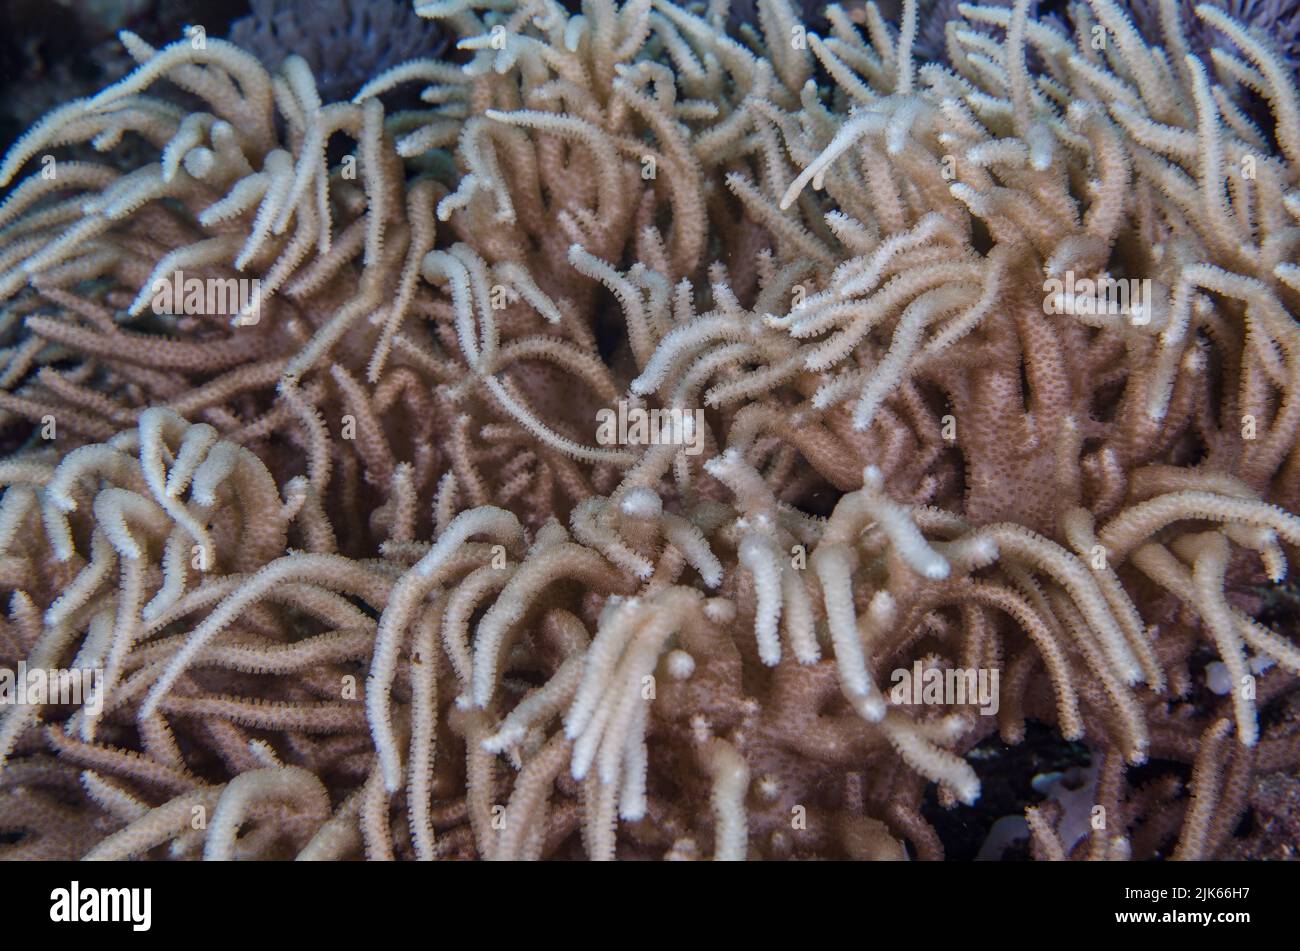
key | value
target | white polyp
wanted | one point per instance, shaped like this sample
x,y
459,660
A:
x,y
641,503
758,557
719,610
679,664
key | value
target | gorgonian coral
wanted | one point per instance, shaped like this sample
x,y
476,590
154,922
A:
x,y
991,367
1275,21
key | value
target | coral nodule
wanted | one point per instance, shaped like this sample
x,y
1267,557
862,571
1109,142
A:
x,y
652,440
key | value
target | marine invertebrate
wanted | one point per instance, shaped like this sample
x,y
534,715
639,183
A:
x,y
344,44
363,578
1276,19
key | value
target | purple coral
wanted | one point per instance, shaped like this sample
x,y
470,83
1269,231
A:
x,y
345,43
1278,20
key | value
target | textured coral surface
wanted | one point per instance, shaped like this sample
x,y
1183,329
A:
x,y
968,337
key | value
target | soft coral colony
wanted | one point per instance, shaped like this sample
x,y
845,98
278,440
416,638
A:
x,y
361,580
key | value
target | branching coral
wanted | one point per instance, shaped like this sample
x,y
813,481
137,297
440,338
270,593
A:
x,y
363,578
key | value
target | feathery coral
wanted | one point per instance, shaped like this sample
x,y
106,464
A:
x,y
986,365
